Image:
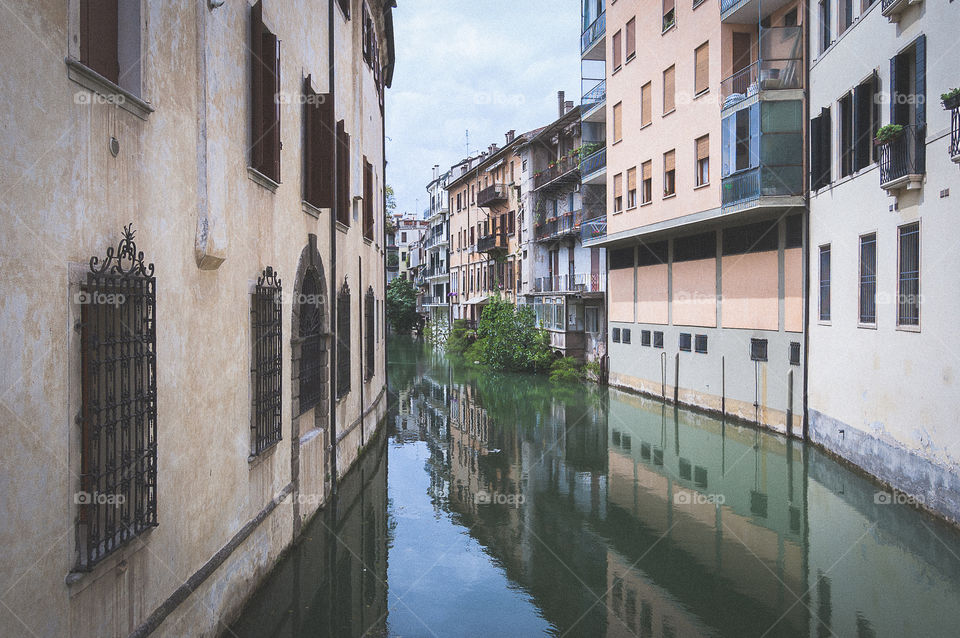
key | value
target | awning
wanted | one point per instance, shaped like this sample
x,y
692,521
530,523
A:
x,y
476,300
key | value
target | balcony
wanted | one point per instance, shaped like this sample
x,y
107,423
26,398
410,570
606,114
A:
x,y
893,9
592,103
593,229
433,241
565,224
492,195
903,160
434,301
593,36
955,135
564,171
779,67
576,283
761,182
492,243
593,167
436,272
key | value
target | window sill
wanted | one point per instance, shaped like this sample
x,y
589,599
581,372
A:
x,y
634,207
824,322
666,113
670,196
262,179
312,210
113,93
867,326
671,27
642,204
699,186
616,70
697,96
617,212
256,459
343,228
630,58
913,329
643,126
617,142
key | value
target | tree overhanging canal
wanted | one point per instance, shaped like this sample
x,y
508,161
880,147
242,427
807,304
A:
x,y
504,505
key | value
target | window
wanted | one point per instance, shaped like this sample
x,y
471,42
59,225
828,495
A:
x,y
820,157
617,51
631,38
512,222
700,344
701,69
669,91
343,176
618,192
319,127
908,276
345,7
616,335
646,182
369,312
591,319
343,341
868,279
646,111
825,34
110,41
118,428
658,339
866,121
845,17
845,115
685,341
794,353
669,14
750,238
669,173
645,338
617,122
758,349
267,361
265,133
703,160
632,187
367,199
625,334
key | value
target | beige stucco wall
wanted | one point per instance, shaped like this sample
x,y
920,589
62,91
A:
x,y
620,296
652,287
750,291
695,293
67,199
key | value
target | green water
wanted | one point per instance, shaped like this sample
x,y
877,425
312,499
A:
x,y
503,505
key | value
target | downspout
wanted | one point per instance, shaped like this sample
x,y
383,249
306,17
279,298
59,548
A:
x,y
383,224
331,86
806,244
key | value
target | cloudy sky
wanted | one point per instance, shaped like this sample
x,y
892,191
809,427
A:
x,y
488,66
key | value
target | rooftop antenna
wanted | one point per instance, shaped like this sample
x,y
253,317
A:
x,y
468,143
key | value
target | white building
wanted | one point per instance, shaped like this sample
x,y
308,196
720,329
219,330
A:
x,y
883,381
436,244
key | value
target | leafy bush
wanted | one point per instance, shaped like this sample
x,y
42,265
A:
x,y
889,132
508,339
461,337
402,306
565,369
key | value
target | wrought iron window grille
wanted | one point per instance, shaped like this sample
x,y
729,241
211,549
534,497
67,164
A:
x,y
267,361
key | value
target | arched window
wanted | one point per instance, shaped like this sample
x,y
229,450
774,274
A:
x,y
312,353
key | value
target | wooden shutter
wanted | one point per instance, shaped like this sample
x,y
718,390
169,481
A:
x,y
617,50
265,54
345,7
703,147
617,122
862,115
815,168
920,90
632,179
99,36
367,199
343,174
618,185
256,55
668,90
667,7
631,38
646,170
669,161
646,110
702,68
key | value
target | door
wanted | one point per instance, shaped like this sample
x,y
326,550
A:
x,y
594,269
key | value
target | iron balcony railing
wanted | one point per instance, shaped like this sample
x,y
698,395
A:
x,y
594,162
955,133
779,66
726,5
565,224
740,85
565,166
903,155
592,229
436,271
492,194
487,243
578,282
434,240
596,95
741,186
593,33
434,300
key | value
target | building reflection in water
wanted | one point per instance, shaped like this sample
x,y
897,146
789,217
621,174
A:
x,y
640,519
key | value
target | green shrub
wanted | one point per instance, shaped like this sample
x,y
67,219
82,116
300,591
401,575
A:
x,y
508,339
565,369
461,337
402,306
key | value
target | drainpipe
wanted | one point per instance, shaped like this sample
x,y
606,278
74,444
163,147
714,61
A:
x,y
383,238
332,390
806,243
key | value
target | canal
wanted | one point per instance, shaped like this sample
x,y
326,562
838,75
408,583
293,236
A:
x,y
504,505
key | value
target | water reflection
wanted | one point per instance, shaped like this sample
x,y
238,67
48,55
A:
x,y
517,507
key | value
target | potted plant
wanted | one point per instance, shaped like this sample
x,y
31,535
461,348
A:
x,y
951,99
888,133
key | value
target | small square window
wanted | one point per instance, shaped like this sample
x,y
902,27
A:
x,y
616,335
644,337
626,335
700,344
658,339
685,340
758,349
794,353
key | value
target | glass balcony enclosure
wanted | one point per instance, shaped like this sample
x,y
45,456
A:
x,y
762,151
779,66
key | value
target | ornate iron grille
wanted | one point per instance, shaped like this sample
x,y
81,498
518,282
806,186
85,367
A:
x,y
313,355
343,340
369,314
118,440
267,361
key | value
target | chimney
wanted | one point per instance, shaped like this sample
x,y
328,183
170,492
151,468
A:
x,y
568,106
511,134
436,171
560,102
493,148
